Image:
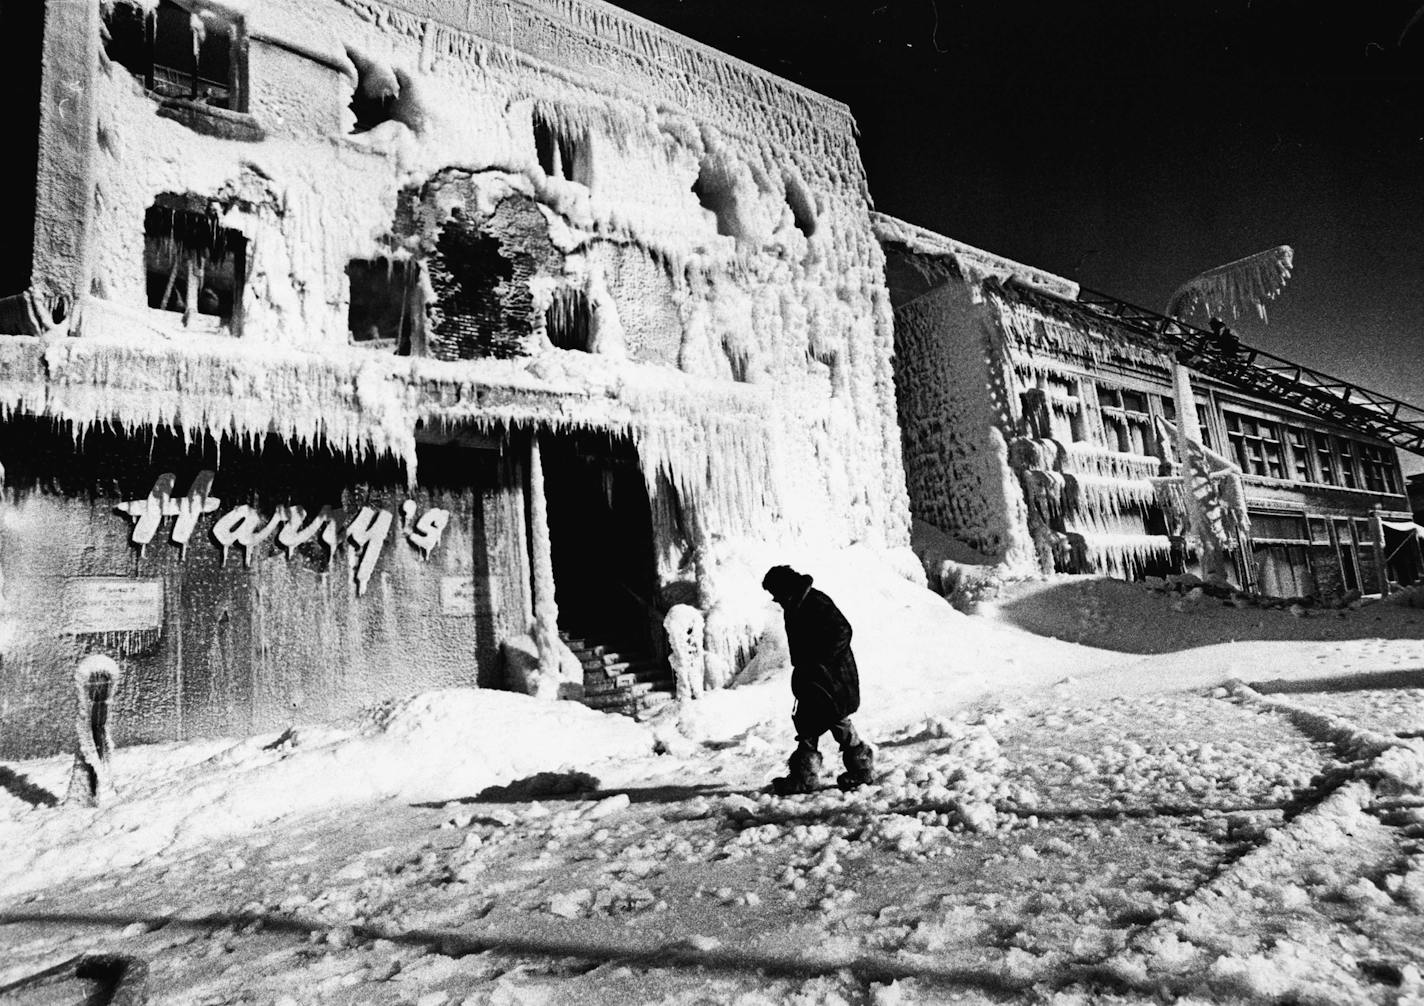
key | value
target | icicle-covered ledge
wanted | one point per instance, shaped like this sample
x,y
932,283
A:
x,y
711,439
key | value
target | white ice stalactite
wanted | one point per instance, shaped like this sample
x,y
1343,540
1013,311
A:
x,y
1035,336
1171,497
546,611
606,336
684,627
1092,459
1231,289
1120,554
1109,495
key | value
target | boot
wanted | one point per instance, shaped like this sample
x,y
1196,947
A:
x,y
860,766
805,769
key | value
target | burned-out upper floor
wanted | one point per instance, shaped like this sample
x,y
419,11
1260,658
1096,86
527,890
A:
x,y
390,188
316,122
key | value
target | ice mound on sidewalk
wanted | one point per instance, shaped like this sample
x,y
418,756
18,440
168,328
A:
x,y
436,746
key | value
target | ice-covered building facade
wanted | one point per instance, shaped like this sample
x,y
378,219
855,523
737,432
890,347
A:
x,y
358,341
1042,433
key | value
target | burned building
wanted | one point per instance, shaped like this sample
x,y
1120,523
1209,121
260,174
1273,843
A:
x,y
1039,425
359,344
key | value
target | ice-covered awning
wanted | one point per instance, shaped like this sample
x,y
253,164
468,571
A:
x,y
1403,527
713,440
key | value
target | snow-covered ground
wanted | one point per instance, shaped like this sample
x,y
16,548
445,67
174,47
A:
x,y
1108,816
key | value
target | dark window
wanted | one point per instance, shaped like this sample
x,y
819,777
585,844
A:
x,y
1349,478
1134,401
194,265
1169,410
1064,413
567,321
1126,423
716,191
1377,467
1299,453
561,155
1325,459
381,312
803,209
177,54
1256,444
371,107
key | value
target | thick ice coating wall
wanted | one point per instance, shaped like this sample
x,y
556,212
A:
x,y
765,304
1039,428
1005,443
631,232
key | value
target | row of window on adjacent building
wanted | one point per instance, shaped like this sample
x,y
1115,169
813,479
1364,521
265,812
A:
x,y
1281,451
1263,447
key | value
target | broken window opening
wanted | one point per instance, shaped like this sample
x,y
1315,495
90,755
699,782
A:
x,y
560,154
371,110
377,92
568,321
716,192
803,209
191,55
194,265
470,276
382,308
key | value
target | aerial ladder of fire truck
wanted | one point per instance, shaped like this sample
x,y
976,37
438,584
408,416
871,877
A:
x,y
1222,356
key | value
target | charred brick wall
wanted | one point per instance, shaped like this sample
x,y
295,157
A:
x,y
480,271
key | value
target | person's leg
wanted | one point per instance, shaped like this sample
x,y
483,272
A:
x,y
804,766
843,733
858,756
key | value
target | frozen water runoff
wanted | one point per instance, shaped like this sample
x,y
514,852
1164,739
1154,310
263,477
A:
x,y
1088,792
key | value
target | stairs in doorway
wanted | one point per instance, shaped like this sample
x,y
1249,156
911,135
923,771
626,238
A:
x,y
621,680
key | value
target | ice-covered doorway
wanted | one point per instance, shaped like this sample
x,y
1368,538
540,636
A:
x,y
601,539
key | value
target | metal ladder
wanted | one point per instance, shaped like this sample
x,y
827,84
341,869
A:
x,y
1255,370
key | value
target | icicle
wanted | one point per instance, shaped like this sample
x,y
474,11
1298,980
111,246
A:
x,y
1232,288
1108,494
546,611
1119,555
199,32
1091,459
1036,334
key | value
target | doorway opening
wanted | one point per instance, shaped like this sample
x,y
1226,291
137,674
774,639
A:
x,y
1349,571
601,537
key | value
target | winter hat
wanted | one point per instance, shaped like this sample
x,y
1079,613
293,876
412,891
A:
x,y
783,581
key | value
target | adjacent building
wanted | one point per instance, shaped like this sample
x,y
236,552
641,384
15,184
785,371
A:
x,y
350,343
1039,427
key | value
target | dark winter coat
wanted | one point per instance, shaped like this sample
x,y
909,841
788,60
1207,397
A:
x,y
824,678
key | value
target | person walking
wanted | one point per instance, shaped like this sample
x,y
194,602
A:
x,y
824,683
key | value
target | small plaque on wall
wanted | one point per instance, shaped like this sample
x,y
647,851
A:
x,y
112,604
457,595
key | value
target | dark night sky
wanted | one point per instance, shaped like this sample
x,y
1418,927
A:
x,y
1130,144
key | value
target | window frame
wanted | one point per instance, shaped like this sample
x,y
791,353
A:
x,y
1131,428
1377,468
1256,444
149,65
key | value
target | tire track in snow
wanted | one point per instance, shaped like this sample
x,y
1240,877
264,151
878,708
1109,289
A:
x,y
1329,815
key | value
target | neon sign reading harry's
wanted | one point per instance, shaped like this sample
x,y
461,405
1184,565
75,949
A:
x,y
363,536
